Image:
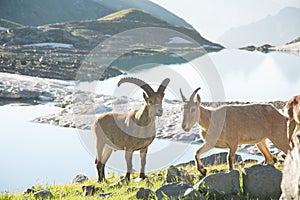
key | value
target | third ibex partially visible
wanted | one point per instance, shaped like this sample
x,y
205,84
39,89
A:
x,y
292,110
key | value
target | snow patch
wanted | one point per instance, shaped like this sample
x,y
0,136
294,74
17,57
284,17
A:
x,y
3,28
178,40
50,44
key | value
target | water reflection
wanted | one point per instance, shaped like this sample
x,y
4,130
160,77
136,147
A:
x,y
245,76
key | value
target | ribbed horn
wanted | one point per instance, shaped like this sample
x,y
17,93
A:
x,y
161,89
142,84
182,96
194,93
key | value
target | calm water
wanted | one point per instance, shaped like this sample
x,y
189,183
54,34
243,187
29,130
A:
x,y
229,75
43,154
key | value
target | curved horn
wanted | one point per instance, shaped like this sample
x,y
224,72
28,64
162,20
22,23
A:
x,y
194,93
142,84
182,96
163,86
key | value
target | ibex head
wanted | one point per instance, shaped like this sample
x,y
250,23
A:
x,y
190,110
153,99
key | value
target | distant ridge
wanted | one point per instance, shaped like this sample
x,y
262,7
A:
x,y
274,30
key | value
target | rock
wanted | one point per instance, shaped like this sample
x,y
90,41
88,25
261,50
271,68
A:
x,y
14,93
177,190
29,190
23,61
45,96
222,183
248,48
105,195
80,178
90,190
174,175
262,181
144,193
264,48
43,194
290,184
218,159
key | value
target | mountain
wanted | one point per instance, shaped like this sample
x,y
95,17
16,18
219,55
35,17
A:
x,y
89,33
274,30
41,12
143,39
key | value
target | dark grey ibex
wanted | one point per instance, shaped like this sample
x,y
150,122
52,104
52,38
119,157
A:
x,y
130,132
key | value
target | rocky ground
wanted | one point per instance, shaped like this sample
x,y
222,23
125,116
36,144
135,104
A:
x,y
48,62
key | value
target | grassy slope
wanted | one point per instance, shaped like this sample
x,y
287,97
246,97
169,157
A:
x,y
9,24
123,191
132,14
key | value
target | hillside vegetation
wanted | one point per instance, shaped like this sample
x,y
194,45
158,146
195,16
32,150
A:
x,y
41,12
9,24
119,190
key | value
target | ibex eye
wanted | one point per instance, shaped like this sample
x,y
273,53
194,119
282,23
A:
x,y
150,101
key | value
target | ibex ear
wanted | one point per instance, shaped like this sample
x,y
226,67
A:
x,y
145,96
198,99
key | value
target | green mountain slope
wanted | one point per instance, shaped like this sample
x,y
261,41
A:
x,y
9,24
41,12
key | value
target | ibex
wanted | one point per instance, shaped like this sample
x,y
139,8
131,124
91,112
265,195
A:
x,y
242,124
130,132
292,110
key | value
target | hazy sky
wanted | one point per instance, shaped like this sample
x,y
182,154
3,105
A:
x,y
213,17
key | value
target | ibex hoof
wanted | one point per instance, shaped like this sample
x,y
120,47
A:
x,y
100,180
202,170
142,175
127,177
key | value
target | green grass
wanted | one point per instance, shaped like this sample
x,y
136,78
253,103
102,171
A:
x,y
132,14
124,190
116,15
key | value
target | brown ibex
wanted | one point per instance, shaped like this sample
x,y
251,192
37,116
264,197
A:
x,y
242,124
130,132
292,110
